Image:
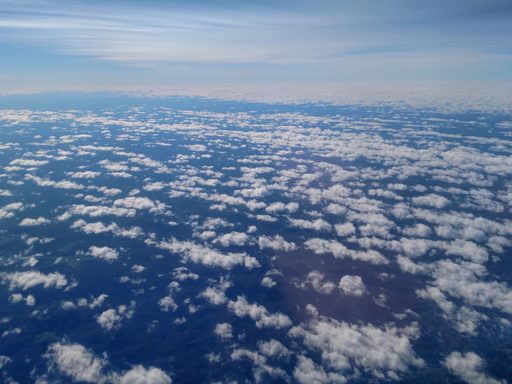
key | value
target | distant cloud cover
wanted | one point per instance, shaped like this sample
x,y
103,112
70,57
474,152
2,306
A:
x,y
51,44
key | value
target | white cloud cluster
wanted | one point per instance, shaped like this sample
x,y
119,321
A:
x,y
259,314
386,353
81,365
469,367
29,222
104,253
204,255
29,279
112,319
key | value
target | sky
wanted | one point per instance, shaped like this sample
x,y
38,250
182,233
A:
x,y
52,45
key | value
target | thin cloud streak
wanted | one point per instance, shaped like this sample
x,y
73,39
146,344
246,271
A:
x,y
334,39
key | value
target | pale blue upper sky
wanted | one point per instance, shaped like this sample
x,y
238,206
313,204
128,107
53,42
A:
x,y
50,44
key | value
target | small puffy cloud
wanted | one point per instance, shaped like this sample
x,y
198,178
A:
x,y
82,365
18,297
352,285
315,279
204,255
167,303
30,279
233,238
85,175
340,251
138,268
99,227
142,375
224,331
419,230
197,147
469,368
112,318
76,362
307,372
273,348
214,296
104,253
139,203
259,314
318,225
432,200
29,222
345,229
385,353
277,243
109,319
268,282
4,360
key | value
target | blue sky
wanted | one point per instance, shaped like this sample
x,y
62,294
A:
x,y
47,44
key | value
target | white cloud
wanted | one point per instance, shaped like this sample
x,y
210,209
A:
x,y
214,296
204,255
30,279
167,303
82,365
112,318
77,362
273,348
85,175
315,279
233,238
135,203
385,353
345,229
469,368
352,285
307,372
29,222
259,314
277,243
339,251
316,225
224,331
431,200
142,375
104,253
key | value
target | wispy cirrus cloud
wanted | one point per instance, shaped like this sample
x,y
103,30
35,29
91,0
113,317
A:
x,y
295,39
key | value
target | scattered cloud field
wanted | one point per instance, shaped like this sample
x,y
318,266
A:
x,y
196,240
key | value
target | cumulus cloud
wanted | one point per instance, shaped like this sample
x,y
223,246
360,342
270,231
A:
x,y
111,319
29,222
277,243
204,255
316,225
307,372
76,362
259,314
82,365
345,229
224,331
99,227
352,285
233,238
104,253
431,200
339,251
386,353
142,375
469,368
315,280
29,279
